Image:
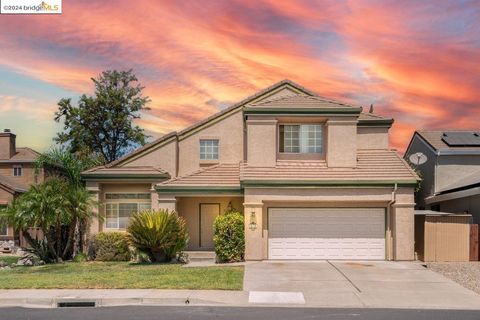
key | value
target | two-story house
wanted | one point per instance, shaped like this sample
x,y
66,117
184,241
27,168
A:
x,y
314,178
449,164
17,173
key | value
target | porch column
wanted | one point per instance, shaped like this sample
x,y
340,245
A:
x,y
154,197
253,230
403,231
168,202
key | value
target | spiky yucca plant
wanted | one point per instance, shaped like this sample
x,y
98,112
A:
x,y
160,234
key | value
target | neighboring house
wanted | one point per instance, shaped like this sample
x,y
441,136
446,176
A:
x,y
450,169
314,178
17,173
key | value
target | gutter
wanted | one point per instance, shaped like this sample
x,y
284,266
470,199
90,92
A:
x,y
389,238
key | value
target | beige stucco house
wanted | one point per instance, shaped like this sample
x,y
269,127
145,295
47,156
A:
x,y
314,178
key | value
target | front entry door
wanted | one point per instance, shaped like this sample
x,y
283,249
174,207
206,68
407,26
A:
x,y
208,213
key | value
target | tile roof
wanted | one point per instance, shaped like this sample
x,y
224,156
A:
x,y
301,101
220,175
372,165
434,139
23,155
212,117
466,182
12,184
371,116
146,171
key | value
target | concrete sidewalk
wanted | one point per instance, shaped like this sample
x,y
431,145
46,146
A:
x,y
49,298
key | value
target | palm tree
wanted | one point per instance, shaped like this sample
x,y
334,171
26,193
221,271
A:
x,y
42,206
79,204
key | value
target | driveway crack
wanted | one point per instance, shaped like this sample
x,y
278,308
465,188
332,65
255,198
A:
x,y
343,274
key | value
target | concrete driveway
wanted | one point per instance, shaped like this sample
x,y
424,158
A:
x,y
355,284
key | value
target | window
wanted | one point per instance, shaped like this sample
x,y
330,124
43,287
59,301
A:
x,y
117,215
302,138
17,171
209,149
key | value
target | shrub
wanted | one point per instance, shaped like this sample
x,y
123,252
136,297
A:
x,y
80,257
229,237
160,234
111,246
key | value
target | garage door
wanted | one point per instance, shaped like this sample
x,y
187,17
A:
x,y
326,233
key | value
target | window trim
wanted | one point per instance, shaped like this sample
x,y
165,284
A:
x,y
302,156
15,167
208,161
117,203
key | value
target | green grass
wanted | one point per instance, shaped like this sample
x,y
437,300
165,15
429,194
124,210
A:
x,y
109,275
9,259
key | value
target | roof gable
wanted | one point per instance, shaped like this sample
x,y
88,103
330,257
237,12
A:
x,y
280,89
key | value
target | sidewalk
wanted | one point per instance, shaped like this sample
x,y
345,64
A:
x,y
49,298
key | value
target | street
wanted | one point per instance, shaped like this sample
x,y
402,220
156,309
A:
x,y
220,313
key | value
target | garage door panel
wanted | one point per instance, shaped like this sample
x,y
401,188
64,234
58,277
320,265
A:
x,y
326,233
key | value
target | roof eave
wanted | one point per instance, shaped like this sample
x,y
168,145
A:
x,y
302,111
328,183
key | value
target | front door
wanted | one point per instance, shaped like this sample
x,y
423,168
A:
x,y
208,213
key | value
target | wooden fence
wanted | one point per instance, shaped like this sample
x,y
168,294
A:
x,y
474,245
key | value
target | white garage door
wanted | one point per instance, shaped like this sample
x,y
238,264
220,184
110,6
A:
x,y
326,233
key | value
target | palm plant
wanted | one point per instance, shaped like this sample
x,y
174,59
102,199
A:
x,y
160,234
78,202
42,206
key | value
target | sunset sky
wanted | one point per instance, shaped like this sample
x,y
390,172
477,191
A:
x,y
417,61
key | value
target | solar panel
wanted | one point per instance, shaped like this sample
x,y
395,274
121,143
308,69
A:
x,y
461,139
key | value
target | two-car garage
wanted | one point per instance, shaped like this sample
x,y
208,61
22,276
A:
x,y
326,233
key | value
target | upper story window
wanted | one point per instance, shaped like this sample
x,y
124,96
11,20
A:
x,y
17,171
301,138
209,149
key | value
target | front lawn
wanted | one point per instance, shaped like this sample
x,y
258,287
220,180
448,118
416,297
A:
x,y
9,259
124,275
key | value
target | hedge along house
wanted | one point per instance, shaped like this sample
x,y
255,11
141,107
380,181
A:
x,y
315,179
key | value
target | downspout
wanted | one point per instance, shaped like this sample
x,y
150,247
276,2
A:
x,y
389,238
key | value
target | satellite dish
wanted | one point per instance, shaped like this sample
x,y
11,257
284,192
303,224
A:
x,y
418,158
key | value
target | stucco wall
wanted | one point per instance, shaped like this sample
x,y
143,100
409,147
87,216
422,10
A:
x,y
372,138
163,157
470,205
455,168
341,143
262,142
229,131
189,209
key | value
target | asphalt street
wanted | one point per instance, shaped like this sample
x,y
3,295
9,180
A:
x,y
220,313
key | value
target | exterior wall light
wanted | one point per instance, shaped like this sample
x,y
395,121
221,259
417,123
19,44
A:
x,y
253,221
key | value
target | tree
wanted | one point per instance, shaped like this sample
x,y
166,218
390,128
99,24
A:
x,y
102,124
43,207
56,209
77,199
